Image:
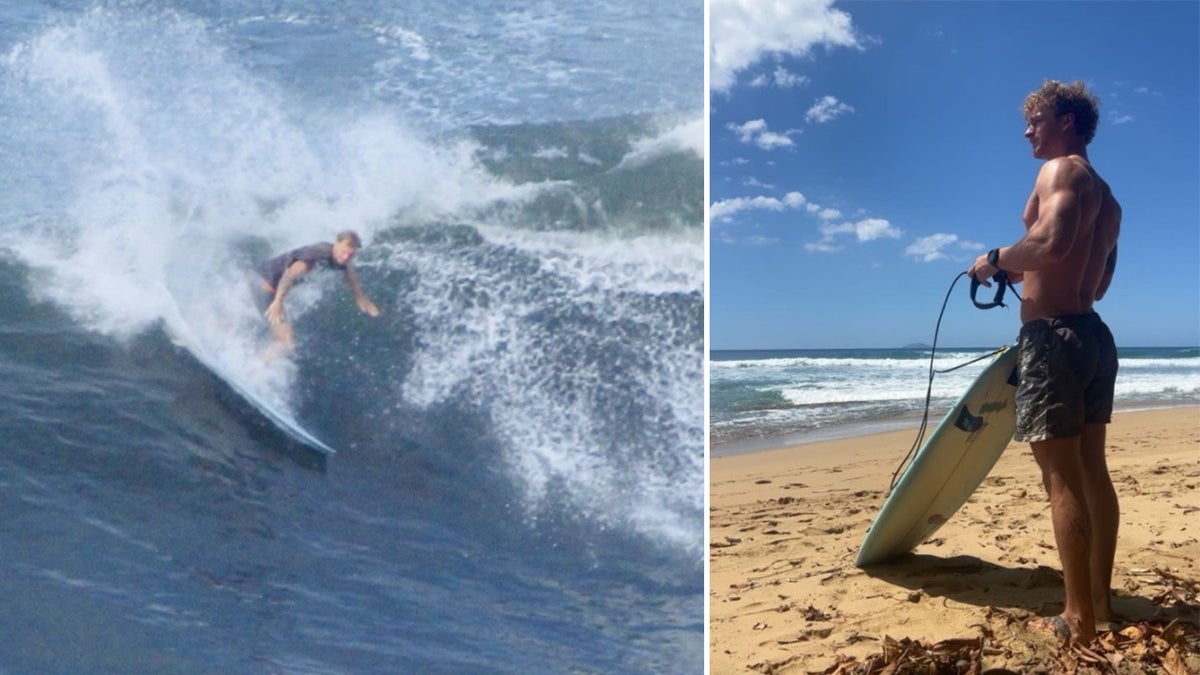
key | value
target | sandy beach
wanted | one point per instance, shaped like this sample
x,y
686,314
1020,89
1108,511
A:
x,y
786,524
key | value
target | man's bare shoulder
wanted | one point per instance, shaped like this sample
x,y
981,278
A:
x,y
1067,172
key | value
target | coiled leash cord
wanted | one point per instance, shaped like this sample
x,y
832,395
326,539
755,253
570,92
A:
x,y
1002,284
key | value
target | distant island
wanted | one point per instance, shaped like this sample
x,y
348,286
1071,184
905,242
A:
x,y
917,345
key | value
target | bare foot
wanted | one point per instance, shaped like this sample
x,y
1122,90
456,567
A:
x,y
1060,627
1110,620
1103,611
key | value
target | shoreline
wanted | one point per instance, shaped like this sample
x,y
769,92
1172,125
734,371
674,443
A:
x,y
874,427
787,522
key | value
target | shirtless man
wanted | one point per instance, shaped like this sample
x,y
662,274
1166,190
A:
x,y
1068,361
281,273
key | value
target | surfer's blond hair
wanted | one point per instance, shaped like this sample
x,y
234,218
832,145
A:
x,y
350,236
1067,98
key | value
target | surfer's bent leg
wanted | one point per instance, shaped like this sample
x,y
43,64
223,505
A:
x,y
285,336
284,333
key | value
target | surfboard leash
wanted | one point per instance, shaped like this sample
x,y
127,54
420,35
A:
x,y
990,354
1003,283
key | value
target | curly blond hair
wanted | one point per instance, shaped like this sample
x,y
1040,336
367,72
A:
x,y
351,236
1067,98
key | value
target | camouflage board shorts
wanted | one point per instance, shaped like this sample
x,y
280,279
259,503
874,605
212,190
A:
x,y
1068,371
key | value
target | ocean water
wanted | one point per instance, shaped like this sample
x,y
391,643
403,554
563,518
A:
x,y
764,398
519,478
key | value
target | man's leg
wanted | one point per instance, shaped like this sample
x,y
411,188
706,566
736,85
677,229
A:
x,y
285,341
1104,513
1062,474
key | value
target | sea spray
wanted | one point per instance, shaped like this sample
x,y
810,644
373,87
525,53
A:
x,y
580,348
169,158
574,322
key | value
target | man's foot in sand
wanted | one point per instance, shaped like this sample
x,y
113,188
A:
x,y
1104,612
1111,621
1059,627
1106,617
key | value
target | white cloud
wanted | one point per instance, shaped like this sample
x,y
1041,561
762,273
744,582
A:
x,y
833,236
1119,118
821,247
794,200
781,77
755,132
769,140
827,108
867,229
745,132
744,31
787,80
727,208
931,248
725,237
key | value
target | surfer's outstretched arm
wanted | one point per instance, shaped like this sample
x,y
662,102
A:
x,y
364,303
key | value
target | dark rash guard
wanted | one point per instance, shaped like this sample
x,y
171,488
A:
x,y
316,256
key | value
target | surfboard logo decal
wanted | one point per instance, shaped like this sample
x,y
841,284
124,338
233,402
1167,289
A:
x,y
993,406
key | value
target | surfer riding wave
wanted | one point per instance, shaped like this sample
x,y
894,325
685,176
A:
x,y
277,276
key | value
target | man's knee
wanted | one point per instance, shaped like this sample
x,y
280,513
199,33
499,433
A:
x,y
1055,452
1093,437
1060,462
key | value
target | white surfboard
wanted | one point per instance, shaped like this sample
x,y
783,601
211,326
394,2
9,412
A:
x,y
950,465
182,335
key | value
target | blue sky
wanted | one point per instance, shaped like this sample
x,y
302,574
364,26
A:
x,y
863,153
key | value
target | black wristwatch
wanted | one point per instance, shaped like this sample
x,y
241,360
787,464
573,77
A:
x,y
994,258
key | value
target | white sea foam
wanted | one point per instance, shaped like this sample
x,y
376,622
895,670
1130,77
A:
x,y
787,393
500,353
686,137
